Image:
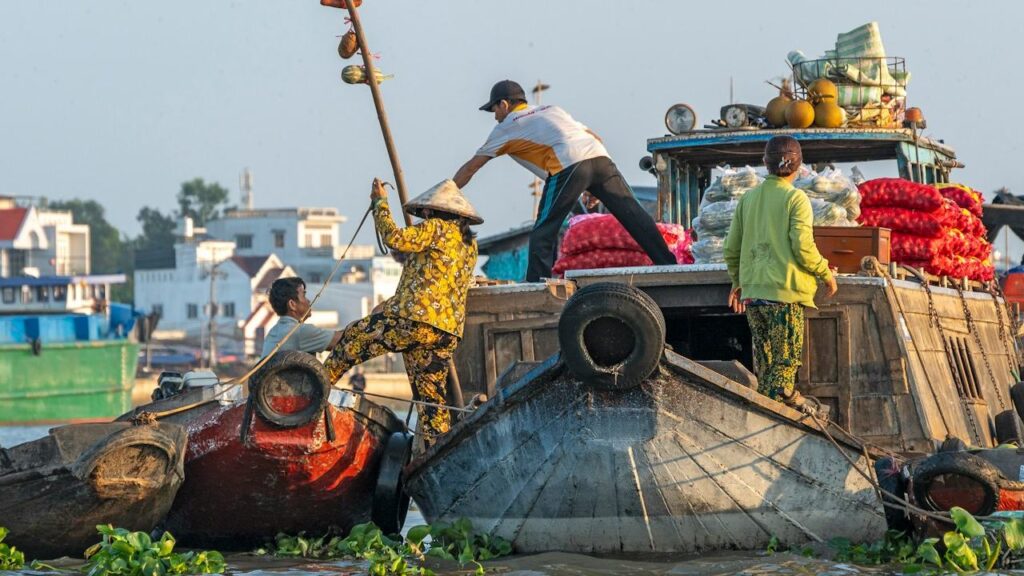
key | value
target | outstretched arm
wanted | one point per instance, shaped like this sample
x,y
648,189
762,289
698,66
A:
x,y
466,172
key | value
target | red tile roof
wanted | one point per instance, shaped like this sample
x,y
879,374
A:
x,y
250,264
10,222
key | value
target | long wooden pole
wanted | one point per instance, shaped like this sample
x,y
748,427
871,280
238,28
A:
x,y
454,387
378,103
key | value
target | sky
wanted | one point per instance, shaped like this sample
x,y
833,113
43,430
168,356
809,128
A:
x,y
122,101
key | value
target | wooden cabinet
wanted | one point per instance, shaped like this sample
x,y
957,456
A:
x,y
844,247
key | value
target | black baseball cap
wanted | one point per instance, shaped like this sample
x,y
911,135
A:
x,y
504,90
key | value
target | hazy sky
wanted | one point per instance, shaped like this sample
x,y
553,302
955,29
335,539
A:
x,y
121,101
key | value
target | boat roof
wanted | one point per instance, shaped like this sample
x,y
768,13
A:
x,y
746,146
62,280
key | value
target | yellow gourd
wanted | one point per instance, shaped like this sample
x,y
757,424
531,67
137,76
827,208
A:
x,y
775,111
822,89
799,114
828,114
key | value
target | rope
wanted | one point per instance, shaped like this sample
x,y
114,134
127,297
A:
x,y
245,377
406,400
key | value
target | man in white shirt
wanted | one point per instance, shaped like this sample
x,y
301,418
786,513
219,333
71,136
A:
x,y
288,299
547,141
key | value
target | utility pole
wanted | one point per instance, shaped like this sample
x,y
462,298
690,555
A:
x,y
212,330
537,185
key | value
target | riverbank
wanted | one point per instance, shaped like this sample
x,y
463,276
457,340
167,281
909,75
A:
x,y
390,389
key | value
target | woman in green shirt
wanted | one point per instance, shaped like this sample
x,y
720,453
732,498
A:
x,y
775,268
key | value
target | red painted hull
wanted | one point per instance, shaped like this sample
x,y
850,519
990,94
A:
x,y
282,480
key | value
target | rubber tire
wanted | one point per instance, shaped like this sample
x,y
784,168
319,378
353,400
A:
x,y
894,483
289,364
390,500
1008,428
626,304
963,464
1017,394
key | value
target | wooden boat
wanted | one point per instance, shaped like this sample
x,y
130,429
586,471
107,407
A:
x,y
681,460
55,490
294,457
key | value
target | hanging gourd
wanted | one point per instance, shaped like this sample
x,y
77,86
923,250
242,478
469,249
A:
x,y
348,45
340,3
355,74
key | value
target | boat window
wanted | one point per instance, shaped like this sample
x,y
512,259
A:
x,y
60,293
26,295
8,295
192,310
42,293
965,374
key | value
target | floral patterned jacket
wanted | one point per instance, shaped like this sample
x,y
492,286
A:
x,y
437,270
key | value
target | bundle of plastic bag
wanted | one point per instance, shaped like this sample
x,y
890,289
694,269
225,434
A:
x,y
708,249
715,218
832,186
829,214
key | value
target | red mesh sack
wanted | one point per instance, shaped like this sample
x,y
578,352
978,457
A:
x,y
899,193
929,224
682,250
600,259
906,247
589,232
964,196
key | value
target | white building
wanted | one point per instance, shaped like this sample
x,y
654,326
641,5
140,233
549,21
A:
x,y
35,242
250,249
307,239
180,290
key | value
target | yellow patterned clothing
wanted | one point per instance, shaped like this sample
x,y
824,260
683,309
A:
x,y
436,273
425,349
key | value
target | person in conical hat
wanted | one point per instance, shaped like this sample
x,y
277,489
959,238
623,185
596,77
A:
x,y
425,317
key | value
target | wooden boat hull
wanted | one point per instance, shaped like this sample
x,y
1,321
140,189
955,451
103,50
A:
x,y
55,490
688,461
291,480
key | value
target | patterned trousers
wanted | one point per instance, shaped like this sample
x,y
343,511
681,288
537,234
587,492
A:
x,y
425,349
777,332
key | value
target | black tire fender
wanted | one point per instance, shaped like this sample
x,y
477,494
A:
x,y
390,500
1008,428
1017,394
611,336
290,368
960,464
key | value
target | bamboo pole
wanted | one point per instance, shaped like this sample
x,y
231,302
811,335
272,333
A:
x,y
454,387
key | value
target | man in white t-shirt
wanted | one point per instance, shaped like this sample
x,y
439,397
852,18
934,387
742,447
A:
x,y
547,141
288,299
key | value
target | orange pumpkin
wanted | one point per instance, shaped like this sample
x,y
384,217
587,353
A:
x,y
340,3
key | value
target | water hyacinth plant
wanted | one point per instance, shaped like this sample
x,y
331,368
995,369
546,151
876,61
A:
x,y
10,557
393,555
135,553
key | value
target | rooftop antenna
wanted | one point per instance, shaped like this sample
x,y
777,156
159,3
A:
x,y
731,101
245,182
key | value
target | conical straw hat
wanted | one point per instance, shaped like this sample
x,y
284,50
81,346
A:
x,y
444,197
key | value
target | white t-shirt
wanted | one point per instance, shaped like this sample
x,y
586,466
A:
x,y
307,338
544,139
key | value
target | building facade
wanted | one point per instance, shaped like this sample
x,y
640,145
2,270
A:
x,y
38,242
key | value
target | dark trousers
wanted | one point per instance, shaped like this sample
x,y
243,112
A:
x,y
603,180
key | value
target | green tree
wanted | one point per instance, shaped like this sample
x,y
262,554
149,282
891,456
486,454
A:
x,y
157,229
106,246
201,201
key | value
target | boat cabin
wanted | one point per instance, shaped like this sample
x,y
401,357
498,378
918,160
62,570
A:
x,y
900,358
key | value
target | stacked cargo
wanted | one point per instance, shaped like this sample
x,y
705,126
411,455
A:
x,y
599,241
937,230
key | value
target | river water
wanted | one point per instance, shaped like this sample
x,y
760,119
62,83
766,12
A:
x,y
547,564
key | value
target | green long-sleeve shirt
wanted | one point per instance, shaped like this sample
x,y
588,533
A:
x,y
770,250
